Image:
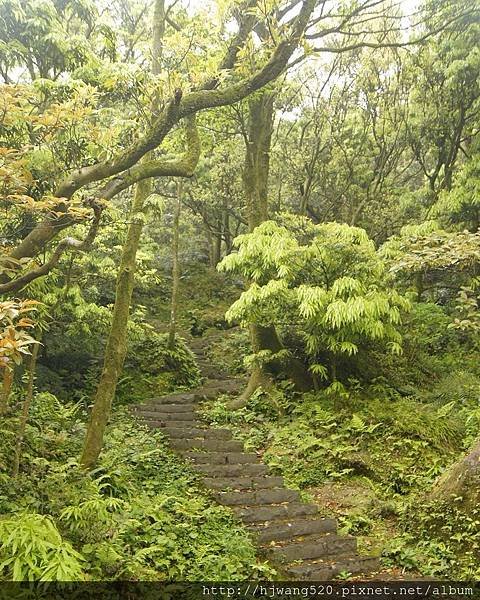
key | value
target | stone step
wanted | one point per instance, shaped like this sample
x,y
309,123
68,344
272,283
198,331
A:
x,y
173,399
206,364
188,433
220,458
242,483
257,514
214,445
167,424
223,386
156,415
311,547
207,394
285,530
239,470
170,408
272,496
207,391
326,570
214,375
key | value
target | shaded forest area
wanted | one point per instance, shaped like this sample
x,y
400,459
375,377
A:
x,y
276,201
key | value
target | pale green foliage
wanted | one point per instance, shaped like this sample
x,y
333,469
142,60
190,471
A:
x,y
33,549
37,33
462,203
435,250
326,281
443,104
432,259
467,311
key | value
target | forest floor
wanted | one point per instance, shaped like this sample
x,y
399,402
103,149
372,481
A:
x,y
369,455
366,457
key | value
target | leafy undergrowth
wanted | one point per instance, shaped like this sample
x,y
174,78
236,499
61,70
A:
x,y
367,457
228,351
140,515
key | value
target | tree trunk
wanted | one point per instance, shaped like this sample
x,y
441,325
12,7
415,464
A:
x,y
217,244
25,410
116,347
462,480
209,237
255,184
257,157
227,236
117,340
175,268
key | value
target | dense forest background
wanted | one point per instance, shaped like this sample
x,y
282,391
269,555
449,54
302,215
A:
x,y
297,184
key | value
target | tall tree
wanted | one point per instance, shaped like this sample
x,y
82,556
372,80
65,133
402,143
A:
x,y
264,337
122,170
116,347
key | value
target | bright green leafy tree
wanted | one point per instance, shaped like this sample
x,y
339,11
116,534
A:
x,y
324,282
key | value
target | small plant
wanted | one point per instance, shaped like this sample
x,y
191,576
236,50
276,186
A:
x,y
15,342
140,515
31,548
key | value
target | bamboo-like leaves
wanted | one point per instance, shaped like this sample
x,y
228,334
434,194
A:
x,y
331,290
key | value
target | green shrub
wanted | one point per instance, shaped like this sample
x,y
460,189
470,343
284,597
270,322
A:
x,y
31,548
150,354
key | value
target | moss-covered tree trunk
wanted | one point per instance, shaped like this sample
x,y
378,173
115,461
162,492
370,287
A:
x,y
257,157
116,348
175,267
255,184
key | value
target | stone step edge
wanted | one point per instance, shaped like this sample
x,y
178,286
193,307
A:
x,y
318,569
252,483
251,501
298,539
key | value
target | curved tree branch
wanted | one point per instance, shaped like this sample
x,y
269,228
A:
x,y
183,166
67,243
182,105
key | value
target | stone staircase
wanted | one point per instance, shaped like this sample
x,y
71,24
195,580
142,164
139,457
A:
x,y
303,545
